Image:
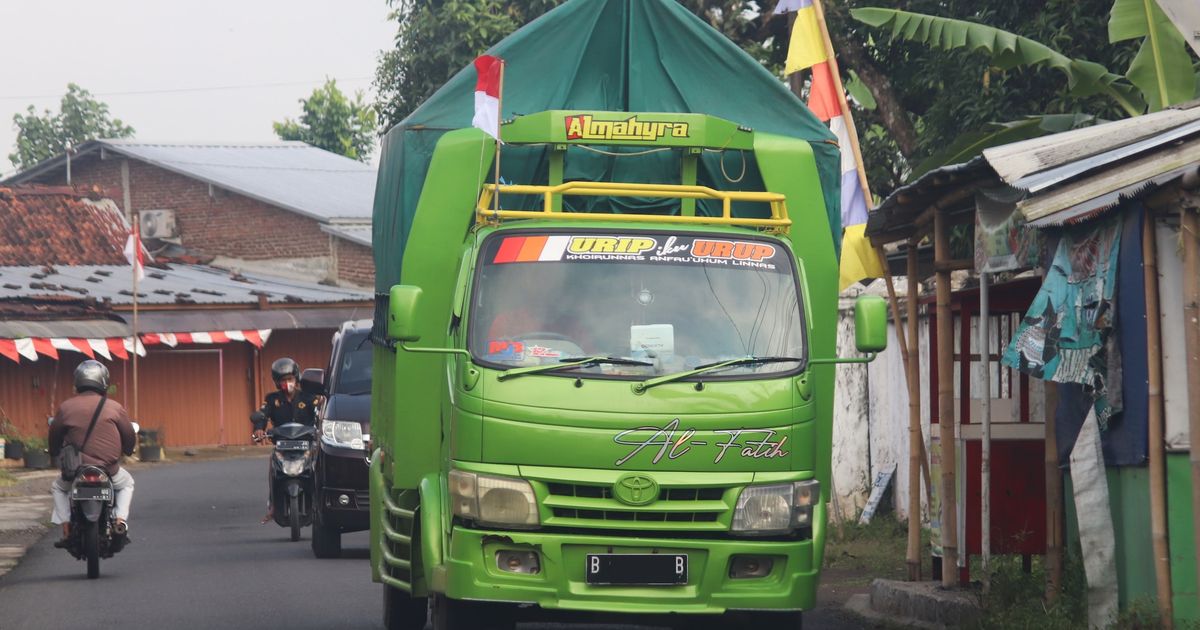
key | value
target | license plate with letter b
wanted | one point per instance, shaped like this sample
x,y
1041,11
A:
x,y
637,569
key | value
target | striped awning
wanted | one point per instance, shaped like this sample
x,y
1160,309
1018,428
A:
x,y
111,348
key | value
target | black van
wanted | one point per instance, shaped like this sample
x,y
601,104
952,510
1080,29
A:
x,y
342,492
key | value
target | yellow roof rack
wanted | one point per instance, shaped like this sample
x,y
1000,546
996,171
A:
x,y
779,220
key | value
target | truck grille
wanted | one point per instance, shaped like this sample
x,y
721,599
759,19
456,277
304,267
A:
x,y
677,508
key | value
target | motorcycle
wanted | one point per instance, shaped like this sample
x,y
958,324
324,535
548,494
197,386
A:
x,y
94,532
292,485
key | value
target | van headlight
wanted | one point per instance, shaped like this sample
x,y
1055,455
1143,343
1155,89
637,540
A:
x,y
343,434
776,508
497,501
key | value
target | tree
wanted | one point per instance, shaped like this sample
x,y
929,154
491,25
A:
x,y
333,122
434,40
1011,90
80,118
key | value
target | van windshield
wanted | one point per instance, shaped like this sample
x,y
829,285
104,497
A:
x,y
674,302
353,369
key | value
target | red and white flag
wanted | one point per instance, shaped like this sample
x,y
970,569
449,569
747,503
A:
x,y
135,254
487,94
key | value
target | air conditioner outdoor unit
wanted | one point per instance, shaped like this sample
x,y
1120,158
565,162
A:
x,y
159,224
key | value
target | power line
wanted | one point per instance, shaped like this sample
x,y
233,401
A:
x,y
184,90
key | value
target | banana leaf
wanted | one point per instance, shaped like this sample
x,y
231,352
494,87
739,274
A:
x,y
972,143
1007,50
1162,68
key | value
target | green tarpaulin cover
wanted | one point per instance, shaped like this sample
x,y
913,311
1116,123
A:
x,y
609,55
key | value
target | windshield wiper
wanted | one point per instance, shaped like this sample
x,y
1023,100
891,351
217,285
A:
x,y
708,367
570,362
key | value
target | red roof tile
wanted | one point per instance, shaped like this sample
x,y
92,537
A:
x,y
60,226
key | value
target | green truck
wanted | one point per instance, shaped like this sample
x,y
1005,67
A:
x,y
609,395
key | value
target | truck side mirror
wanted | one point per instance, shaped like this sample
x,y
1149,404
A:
x,y
312,381
402,313
870,324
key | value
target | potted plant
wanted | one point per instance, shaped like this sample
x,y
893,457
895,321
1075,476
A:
x,y
150,445
11,439
36,455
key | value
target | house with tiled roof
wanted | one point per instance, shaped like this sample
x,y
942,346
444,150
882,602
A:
x,y
283,208
205,336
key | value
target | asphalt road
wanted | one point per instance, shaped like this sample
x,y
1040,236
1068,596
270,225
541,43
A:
x,y
201,560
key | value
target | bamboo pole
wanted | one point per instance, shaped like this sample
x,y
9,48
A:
x,y
137,244
499,122
1054,502
946,414
847,116
916,441
1189,233
1158,471
985,459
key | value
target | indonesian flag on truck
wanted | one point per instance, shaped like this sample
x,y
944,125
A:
x,y
487,94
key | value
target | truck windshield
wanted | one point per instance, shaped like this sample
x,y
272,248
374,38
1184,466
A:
x,y
671,302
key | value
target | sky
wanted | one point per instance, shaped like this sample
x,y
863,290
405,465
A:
x,y
212,71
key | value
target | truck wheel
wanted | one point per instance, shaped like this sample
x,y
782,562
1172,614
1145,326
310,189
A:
x,y
91,549
326,541
453,614
402,611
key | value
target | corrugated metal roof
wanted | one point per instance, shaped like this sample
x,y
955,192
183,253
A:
x,y
97,328
175,284
1110,186
1021,159
355,232
291,175
900,209
273,318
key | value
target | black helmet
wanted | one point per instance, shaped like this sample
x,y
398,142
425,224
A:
x,y
284,367
91,376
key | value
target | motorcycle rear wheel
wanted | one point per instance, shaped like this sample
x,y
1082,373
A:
x,y
294,516
91,549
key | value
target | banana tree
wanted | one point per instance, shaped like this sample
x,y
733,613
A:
x,y
1161,74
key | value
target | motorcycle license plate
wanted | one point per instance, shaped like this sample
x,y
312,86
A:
x,y
93,492
291,445
637,569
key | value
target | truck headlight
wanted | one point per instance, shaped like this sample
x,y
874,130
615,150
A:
x,y
490,500
776,508
343,434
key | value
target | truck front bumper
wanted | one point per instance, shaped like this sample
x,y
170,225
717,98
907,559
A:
x,y
471,572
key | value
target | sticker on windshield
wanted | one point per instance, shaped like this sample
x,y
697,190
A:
x,y
675,249
502,350
542,352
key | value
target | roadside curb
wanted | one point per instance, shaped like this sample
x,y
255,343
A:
x,y
860,606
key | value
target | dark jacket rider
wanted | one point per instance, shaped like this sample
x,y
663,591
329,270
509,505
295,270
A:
x,y
288,404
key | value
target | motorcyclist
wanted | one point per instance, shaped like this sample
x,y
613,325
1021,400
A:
x,y
112,436
288,404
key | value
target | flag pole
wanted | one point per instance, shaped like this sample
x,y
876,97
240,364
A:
x,y
137,251
847,115
499,121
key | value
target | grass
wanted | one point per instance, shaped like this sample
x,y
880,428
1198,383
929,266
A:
x,y
6,478
876,549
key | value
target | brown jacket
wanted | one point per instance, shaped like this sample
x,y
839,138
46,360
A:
x,y
112,436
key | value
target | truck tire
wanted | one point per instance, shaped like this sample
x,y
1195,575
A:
x,y
402,611
453,614
326,541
